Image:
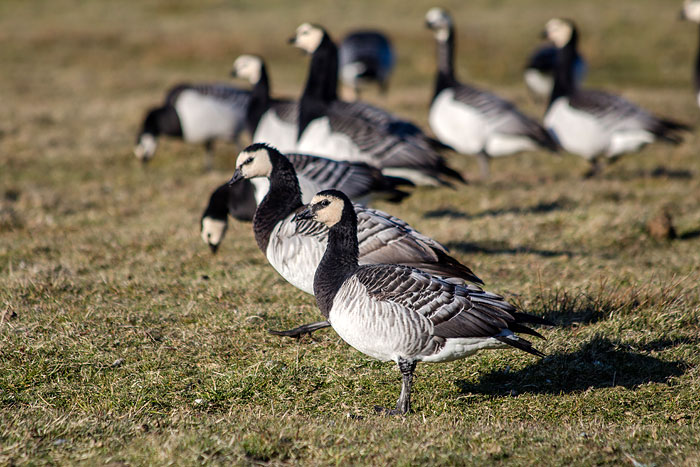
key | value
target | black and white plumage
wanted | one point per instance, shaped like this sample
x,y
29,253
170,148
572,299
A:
x,y
595,124
398,313
197,113
539,71
356,131
269,120
295,247
361,182
363,57
691,12
471,120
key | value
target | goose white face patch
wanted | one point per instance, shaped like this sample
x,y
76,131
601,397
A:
x,y
329,211
254,163
308,37
213,230
248,67
146,147
559,31
439,21
691,10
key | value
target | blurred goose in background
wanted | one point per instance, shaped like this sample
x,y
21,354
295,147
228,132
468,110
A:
x,y
269,120
357,131
398,313
595,124
294,248
539,71
197,113
365,56
473,121
691,12
239,200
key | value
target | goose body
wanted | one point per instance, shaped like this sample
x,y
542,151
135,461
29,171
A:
x,y
691,12
539,71
365,56
357,131
295,247
592,123
398,313
202,113
471,120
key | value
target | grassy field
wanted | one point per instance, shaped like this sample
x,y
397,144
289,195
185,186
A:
x,y
123,341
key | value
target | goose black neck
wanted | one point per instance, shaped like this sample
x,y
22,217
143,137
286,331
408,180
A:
x,y
282,200
445,63
321,83
162,121
339,261
564,84
696,72
259,101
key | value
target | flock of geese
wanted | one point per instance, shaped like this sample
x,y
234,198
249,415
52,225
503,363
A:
x,y
387,290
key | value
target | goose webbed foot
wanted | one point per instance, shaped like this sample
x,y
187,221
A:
x,y
302,330
484,165
403,405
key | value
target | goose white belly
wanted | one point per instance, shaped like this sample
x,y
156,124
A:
x,y
458,348
261,185
457,124
578,132
275,131
319,139
203,117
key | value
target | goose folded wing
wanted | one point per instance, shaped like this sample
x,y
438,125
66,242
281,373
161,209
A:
x,y
354,180
611,110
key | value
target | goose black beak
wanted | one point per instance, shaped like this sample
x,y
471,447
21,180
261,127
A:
x,y
213,247
233,73
292,40
306,213
543,34
237,175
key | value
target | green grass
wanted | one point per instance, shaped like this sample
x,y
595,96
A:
x,y
123,341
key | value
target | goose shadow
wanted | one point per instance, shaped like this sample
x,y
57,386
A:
x,y
502,248
657,172
539,208
690,235
599,363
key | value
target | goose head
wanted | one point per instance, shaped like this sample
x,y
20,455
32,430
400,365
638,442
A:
x,y
147,140
326,207
247,67
560,31
691,10
440,22
254,161
308,37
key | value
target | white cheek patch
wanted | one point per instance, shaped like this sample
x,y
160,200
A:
x,y
442,34
146,147
213,230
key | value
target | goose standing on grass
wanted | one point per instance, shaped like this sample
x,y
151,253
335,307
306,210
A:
x,y
691,12
595,124
356,131
361,182
401,314
295,247
269,120
200,113
365,56
539,71
470,120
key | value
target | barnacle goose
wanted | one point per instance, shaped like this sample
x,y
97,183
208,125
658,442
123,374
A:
x,y
393,312
470,120
356,131
197,113
539,71
295,247
269,120
365,56
361,182
691,12
594,124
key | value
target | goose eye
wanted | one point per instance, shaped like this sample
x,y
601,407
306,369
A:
x,y
248,161
325,203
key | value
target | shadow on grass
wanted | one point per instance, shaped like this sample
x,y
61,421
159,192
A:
x,y
657,172
539,208
690,235
502,248
600,363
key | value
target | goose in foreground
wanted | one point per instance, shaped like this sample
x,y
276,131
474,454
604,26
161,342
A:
x,y
268,120
398,313
357,131
199,113
539,71
295,247
691,12
365,56
240,200
595,124
473,121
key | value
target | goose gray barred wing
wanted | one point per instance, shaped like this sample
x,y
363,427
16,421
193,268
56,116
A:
x,y
611,109
223,92
286,110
